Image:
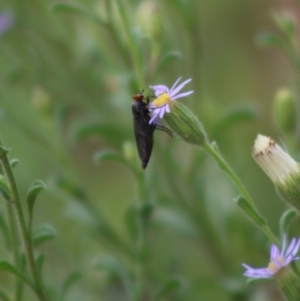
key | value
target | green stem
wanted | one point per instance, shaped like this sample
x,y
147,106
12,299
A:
x,y
22,224
134,50
14,243
226,168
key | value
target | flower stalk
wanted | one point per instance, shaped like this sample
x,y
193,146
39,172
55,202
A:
x,y
24,233
223,165
185,124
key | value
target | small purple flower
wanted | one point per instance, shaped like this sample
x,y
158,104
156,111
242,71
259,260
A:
x,y
163,97
6,22
278,260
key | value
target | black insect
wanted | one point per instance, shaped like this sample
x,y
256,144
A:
x,y
143,130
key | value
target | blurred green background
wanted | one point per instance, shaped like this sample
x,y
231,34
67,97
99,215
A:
x,y
68,71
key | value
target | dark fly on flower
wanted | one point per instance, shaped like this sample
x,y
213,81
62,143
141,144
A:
x,y
143,130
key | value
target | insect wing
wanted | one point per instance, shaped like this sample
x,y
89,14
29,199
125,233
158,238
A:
x,y
143,131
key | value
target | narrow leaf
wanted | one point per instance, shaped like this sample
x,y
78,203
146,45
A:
x,y
285,220
176,220
43,234
168,287
250,211
114,266
71,188
4,188
233,118
167,59
6,266
40,263
111,132
4,296
268,39
72,278
103,156
4,229
146,211
131,221
63,7
14,162
32,194
258,280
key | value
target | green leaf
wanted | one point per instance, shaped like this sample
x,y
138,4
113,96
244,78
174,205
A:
x,y
285,23
234,117
176,220
146,211
43,234
114,266
72,278
136,216
285,220
71,188
6,266
4,150
63,7
167,59
258,280
268,39
14,162
104,156
36,187
131,221
113,133
250,211
4,296
40,263
168,287
4,229
215,146
4,188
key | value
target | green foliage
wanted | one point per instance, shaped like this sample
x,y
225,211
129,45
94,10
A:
x,y
176,231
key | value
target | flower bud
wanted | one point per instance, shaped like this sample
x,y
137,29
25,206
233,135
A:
x,y
283,170
184,123
284,110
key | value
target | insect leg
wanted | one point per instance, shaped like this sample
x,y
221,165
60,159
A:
x,y
164,129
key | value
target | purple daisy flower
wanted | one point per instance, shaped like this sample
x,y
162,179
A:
x,y
164,96
6,22
278,260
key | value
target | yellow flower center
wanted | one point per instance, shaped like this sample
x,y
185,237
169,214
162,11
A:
x,y
272,266
162,100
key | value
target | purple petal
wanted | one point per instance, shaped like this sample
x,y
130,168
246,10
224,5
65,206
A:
x,y
157,122
175,84
274,251
277,263
258,273
154,115
182,95
6,22
162,112
247,266
159,89
296,249
283,245
168,108
173,93
290,248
